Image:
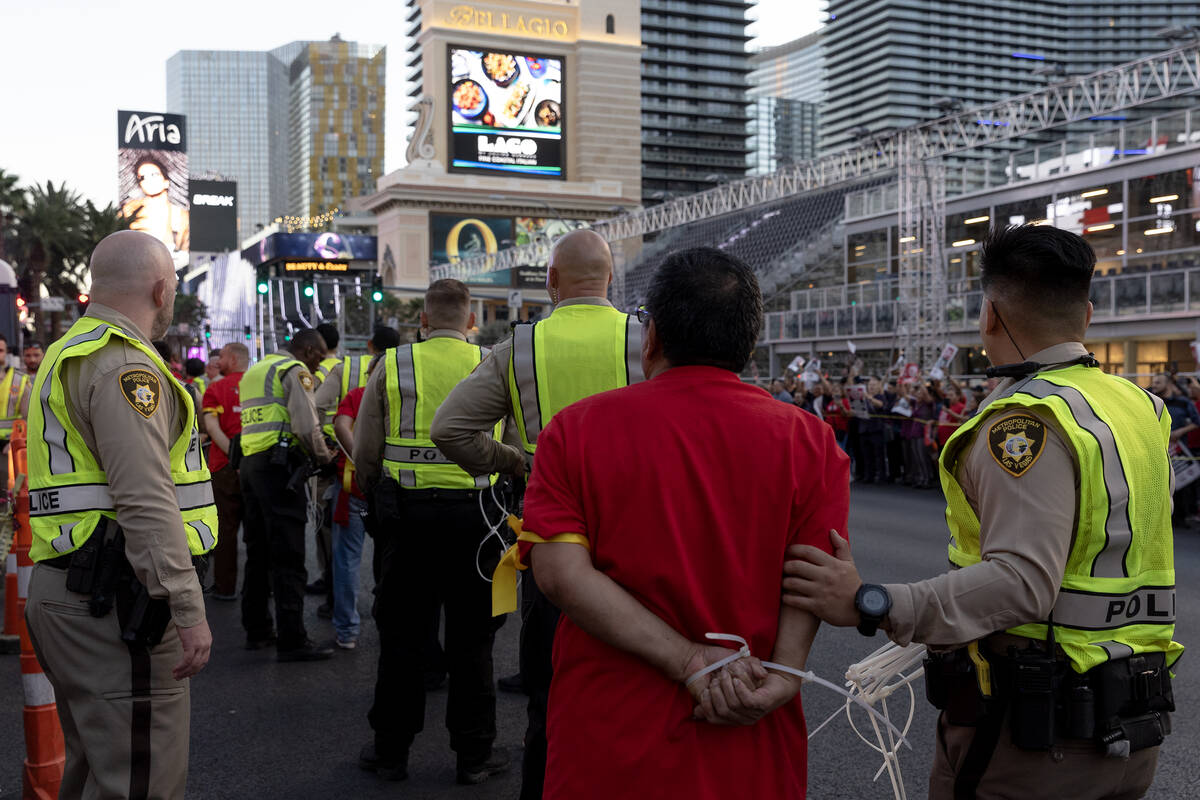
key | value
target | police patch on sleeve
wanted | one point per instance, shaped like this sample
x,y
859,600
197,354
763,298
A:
x,y
142,389
1016,442
306,379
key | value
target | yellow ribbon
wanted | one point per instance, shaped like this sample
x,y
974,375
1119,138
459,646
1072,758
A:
x,y
504,579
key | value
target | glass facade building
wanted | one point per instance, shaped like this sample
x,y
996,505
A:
x,y
336,124
300,127
787,84
695,110
237,126
895,63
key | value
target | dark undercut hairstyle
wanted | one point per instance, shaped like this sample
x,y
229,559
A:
x,y
447,304
306,339
332,337
707,309
385,338
1043,270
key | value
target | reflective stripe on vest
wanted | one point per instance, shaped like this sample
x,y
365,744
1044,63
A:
x,y
265,417
418,378
12,395
578,351
69,493
1117,593
355,372
325,367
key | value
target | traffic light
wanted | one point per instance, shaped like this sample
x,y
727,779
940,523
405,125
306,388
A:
x,y
207,331
246,331
376,289
83,300
308,291
262,287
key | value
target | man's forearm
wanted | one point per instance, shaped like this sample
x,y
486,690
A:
x,y
215,433
601,608
476,451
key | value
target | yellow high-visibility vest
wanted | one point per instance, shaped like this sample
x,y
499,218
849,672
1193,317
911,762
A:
x,y
1117,595
265,417
418,378
68,490
576,352
12,389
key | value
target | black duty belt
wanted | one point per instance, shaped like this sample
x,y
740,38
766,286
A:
x,y
445,495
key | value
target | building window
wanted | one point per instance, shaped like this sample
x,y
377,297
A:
x,y
610,24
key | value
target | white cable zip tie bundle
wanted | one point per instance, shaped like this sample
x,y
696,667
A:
x,y
744,652
873,680
493,530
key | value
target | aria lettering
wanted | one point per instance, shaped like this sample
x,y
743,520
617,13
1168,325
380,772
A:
x,y
147,128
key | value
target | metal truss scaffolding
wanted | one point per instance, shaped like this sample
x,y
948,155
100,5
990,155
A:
x,y
915,154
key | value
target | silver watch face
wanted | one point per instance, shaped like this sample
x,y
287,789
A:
x,y
873,601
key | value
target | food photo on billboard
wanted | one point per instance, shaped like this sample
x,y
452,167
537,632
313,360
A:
x,y
506,113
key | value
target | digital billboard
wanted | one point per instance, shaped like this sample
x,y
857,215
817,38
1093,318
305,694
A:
x,y
453,237
506,113
213,207
325,246
152,176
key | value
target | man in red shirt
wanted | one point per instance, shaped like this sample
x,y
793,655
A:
x,y
658,513
223,421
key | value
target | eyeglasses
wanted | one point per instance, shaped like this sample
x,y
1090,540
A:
x,y
643,314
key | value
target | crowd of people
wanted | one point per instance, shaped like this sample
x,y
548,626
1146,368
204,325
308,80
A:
x,y
642,473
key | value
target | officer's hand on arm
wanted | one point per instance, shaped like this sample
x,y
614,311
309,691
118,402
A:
x,y
822,584
197,646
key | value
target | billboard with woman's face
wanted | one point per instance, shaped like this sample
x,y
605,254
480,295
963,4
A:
x,y
152,173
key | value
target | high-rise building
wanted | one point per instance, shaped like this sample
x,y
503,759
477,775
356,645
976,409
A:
x,y
787,85
300,128
336,124
235,102
695,111
895,63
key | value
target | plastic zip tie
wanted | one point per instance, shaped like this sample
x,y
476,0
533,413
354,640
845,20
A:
x,y
853,698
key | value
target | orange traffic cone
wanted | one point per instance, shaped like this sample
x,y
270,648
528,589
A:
x,y
44,748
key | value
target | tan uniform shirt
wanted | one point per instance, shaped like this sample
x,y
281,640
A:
x,y
1026,527
462,426
370,427
329,393
134,452
305,424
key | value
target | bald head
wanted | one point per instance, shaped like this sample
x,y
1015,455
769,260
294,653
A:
x,y
132,272
580,265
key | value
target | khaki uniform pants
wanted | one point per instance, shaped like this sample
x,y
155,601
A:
x,y
124,718
1072,769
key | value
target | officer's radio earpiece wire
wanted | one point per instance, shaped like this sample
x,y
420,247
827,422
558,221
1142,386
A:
x,y
1024,367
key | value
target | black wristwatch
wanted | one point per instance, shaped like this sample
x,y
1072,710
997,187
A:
x,y
873,603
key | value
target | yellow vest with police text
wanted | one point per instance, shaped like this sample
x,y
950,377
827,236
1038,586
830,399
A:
x,y
576,352
418,378
265,418
1117,595
68,491
12,388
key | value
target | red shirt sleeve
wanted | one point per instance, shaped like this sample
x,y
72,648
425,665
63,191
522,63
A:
x,y
350,403
553,503
210,400
826,504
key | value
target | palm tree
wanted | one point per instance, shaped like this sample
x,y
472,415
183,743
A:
x,y
12,205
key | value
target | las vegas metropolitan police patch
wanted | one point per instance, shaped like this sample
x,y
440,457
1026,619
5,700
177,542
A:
x,y
1016,442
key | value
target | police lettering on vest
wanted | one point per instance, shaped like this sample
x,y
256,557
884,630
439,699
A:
x,y
265,418
1117,596
68,490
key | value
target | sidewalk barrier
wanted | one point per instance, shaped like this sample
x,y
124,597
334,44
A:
x,y
10,639
44,748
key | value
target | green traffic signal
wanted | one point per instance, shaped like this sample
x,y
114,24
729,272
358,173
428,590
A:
x,y
377,295
262,287
308,291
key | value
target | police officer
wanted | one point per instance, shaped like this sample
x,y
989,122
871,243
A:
x,y
281,440
584,347
1061,611
14,403
120,504
433,548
